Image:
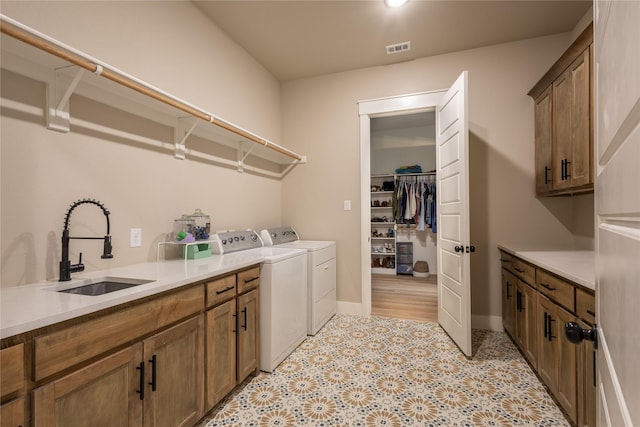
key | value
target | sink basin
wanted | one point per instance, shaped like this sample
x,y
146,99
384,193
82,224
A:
x,y
104,285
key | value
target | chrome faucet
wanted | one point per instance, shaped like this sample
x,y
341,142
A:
x,y
66,268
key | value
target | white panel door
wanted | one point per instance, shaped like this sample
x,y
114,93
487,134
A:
x,y
617,144
452,194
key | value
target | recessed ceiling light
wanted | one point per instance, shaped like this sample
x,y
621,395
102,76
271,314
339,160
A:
x,y
394,3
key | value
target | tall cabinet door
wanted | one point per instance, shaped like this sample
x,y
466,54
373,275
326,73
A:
x,y
248,335
221,351
579,169
175,378
105,393
543,143
562,129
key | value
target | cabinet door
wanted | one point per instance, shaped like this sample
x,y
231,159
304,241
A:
x,y
566,371
520,318
547,338
543,141
105,393
579,168
175,375
508,301
12,413
530,303
221,351
586,382
562,129
248,334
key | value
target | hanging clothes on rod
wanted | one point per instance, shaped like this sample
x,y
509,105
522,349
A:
x,y
414,201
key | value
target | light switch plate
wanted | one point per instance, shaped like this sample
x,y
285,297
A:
x,y
347,205
135,238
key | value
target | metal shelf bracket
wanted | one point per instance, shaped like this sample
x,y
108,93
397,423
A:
x,y
185,126
59,91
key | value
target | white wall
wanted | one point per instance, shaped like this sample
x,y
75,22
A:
x,y
123,160
321,119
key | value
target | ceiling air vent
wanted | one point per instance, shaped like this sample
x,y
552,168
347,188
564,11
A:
x,y
398,47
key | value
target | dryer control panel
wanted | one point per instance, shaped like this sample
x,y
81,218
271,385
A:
x,y
234,241
276,236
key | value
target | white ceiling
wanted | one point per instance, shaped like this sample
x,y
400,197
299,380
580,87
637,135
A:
x,y
305,38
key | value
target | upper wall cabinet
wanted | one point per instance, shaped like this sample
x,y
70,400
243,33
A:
x,y
564,122
66,70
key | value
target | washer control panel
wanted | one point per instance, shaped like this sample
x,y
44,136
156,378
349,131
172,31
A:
x,y
234,241
276,236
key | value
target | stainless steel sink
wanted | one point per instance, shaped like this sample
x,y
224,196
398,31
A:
x,y
104,285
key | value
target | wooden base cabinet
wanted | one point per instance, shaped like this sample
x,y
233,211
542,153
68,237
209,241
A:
x,y
232,332
557,362
12,385
534,316
158,382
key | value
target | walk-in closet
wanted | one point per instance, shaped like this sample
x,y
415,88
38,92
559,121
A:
x,y
403,216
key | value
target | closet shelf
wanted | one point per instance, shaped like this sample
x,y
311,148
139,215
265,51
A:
x,y
62,68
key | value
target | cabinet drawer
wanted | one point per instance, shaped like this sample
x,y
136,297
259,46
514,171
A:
x,y
506,260
556,289
67,347
12,369
220,290
586,306
248,279
524,271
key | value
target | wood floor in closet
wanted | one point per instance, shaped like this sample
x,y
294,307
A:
x,y
404,297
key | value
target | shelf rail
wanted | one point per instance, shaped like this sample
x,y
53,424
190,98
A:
x,y
54,47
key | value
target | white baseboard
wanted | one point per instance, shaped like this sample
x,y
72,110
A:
x,y
351,308
492,323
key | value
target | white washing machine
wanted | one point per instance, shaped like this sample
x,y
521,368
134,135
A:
x,y
283,294
321,273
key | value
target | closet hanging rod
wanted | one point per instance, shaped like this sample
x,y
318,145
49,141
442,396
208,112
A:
x,y
45,43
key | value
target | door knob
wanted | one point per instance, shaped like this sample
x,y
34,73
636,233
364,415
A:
x,y
459,248
576,334
471,249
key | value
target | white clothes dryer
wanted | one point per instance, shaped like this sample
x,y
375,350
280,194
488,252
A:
x,y
321,273
283,294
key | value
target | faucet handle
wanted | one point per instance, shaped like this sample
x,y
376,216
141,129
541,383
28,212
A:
x,y
77,267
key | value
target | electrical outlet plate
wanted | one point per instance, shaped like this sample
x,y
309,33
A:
x,y
135,237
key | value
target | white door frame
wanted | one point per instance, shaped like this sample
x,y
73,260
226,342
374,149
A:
x,y
368,109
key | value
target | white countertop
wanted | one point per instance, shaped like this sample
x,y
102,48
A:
x,y
28,307
573,265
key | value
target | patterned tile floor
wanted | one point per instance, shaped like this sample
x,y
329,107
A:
x,y
360,371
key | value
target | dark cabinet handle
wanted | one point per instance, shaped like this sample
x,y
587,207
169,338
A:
x,y
227,289
545,324
251,280
591,313
153,383
567,175
519,270
244,315
235,323
141,391
459,248
508,286
546,174
505,260
548,287
549,320
519,301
